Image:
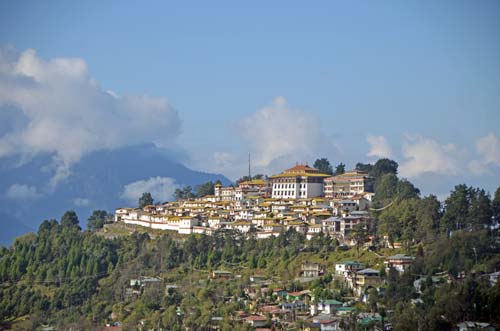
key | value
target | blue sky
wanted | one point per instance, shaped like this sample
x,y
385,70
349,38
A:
x,y
421,78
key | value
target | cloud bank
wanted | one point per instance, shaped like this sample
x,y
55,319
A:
x,y
379,147
21,191
426,155
161,188
278,136
56,107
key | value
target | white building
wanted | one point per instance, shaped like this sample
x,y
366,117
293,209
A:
x,y
299,182
348,184
347,267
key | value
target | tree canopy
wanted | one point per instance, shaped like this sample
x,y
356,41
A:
x,y
97,220
384,166
69,219
340,169
145,200
323,165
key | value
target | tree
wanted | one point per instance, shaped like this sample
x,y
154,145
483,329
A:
x,y
178,194
340,169
360,236
428,215
384,166
205,189
480,209
69,219
386,187
145,200
187,192
366,167
247,178
406,190
324,166
97,220
495,207
456,208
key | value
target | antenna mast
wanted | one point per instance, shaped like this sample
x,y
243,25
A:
x,y
249,172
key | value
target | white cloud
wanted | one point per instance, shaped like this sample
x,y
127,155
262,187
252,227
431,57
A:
x,y
81,202
379,147
278,136
477,167
222,159
69,115
21,191
488,149
425,155
161,188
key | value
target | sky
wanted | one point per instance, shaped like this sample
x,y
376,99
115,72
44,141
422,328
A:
x,y
287,81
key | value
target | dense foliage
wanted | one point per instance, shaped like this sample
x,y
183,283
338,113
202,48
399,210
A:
x,y
68,277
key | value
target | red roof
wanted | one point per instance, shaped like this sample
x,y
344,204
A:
x,y
269,308
256,318
302,168
326,321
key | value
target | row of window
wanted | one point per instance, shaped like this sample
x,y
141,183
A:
x,y
289,193
277,186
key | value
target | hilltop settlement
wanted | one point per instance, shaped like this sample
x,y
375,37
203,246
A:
x,y
304,249
299,198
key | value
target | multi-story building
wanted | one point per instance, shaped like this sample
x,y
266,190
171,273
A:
x,y
400,262
299,182
224,193
348,184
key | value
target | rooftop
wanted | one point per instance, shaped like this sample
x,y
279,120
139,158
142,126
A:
x,y
301,170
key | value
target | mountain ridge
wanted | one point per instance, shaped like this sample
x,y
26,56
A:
x,y
96,182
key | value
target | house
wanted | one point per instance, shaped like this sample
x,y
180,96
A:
x,y
296,305
342,311
279,292
400,262
417,284
221,274
346,267
368,318
365,279
310,270
348,184
475,326
325,307
256,320
330,325
145,282
294,296
224,193
299,182
257,278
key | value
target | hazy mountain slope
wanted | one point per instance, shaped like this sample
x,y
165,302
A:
x,y
97,181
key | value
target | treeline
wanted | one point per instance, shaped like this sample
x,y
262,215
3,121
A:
x,y
60,257
69,277
66,276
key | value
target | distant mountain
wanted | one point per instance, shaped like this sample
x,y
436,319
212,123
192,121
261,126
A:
x,y
96,182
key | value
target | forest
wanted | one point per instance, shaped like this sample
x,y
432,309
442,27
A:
x,y
77,278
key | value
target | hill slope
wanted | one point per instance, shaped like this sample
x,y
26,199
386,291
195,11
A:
x,y
96,182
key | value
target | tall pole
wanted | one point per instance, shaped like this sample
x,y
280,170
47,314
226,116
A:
x,y
249,172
